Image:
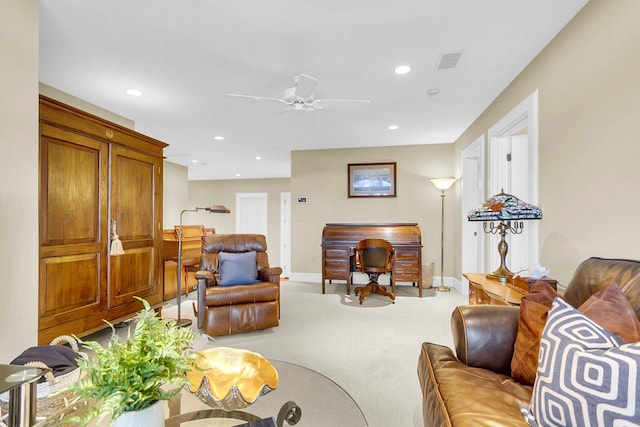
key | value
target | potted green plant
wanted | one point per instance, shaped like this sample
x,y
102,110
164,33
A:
x,y
131,375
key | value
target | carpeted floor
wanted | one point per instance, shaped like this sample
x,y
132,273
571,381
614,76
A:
x,y
371,350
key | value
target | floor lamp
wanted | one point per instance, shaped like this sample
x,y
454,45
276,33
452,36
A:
x,y
442,184
210,209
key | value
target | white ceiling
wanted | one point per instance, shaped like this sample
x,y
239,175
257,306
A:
x,y
185,56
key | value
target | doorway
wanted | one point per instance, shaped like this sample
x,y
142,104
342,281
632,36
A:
x,y
513,167
285,234
472,196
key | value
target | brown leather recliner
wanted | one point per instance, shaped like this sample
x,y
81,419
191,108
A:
x,y
473,386
224,310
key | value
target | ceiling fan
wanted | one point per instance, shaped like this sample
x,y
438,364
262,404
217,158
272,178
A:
x,y
301,96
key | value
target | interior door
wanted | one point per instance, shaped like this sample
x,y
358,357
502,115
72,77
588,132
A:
x,y
285,234
251,213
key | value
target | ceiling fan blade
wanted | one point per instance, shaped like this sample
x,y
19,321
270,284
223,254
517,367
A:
x,y
258,98
366,101
305,85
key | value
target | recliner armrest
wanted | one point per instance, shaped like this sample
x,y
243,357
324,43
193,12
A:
x,y
484,335
205,278
270,274
204,274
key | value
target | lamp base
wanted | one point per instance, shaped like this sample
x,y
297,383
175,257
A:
x,y
183,322
443,289
501,274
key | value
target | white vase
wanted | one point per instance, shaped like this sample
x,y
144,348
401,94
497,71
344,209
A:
x,y
152,416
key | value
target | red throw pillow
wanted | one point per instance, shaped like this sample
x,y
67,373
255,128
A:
x,y
534,308
611,309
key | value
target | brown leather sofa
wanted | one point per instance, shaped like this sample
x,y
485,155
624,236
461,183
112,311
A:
x,y
224,310
473,386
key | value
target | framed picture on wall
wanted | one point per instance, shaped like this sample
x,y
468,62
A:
x,y
372,179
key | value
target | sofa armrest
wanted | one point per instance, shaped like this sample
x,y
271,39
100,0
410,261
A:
x,y
270,274
484,335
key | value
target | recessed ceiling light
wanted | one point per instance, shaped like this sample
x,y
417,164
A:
x,y
393,127
194,161
218,137
402,69
258,158
134,92
237,174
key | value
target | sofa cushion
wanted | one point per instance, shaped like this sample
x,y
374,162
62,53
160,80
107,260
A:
x,y
465,396
238,268
534,308
586,375
610,309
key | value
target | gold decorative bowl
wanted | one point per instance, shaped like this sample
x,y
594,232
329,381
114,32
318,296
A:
x,y
230,378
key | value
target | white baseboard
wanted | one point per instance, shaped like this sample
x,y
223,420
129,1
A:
x,y
361,279
306,277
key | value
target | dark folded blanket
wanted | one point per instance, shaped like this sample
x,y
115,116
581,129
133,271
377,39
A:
x,y
59,358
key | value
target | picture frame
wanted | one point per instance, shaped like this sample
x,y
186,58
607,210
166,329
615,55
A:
x,y
372,179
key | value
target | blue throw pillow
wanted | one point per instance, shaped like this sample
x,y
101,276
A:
x,y
586,375
238,268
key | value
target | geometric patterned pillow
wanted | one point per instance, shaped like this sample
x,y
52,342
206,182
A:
x,y
586,375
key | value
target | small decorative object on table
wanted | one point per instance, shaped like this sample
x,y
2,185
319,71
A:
x,y
230,378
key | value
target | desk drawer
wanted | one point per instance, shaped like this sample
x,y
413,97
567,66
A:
x,y
411,266
411,254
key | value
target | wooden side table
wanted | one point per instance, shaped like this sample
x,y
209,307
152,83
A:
x,y
483,290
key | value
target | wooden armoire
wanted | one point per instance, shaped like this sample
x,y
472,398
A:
x,y
94,173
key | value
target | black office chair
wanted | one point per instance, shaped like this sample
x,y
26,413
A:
x,y
374,257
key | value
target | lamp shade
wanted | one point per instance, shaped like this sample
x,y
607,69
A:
x,y
505,207
443,183
216,209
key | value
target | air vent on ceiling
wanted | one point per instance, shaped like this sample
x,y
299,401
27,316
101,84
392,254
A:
x,y
449,60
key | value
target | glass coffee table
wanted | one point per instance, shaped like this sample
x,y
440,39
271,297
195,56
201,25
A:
x,y
303,398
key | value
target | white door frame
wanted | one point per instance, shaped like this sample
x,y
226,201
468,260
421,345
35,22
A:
x,y
525,114
472,161
285,233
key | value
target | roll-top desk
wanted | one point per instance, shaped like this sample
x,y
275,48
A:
x,y
339,241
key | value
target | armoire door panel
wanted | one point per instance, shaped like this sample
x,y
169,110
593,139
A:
x,y
69,287
72,169
73,188
132,193
132,274
133,205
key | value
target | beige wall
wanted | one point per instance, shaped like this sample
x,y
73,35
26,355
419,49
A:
x,y
176,194
83,105
589,131
321,177
223,192
19,177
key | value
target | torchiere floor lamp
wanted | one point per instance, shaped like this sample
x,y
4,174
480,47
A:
x,y
442,184
210,209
